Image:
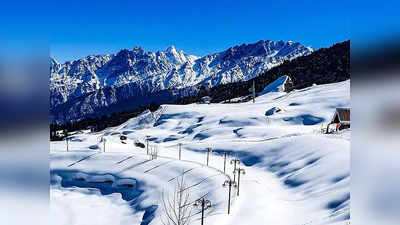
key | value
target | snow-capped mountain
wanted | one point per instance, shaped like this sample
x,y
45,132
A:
x,y
84,87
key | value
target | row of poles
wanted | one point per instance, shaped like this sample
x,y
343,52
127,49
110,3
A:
x,y
202,202
205,203
234,183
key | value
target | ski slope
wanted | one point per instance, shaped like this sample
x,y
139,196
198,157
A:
x,y
294,174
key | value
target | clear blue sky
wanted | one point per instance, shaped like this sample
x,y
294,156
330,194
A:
x,y
79,28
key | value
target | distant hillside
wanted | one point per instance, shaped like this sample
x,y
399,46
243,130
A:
x,y
104,84
326,65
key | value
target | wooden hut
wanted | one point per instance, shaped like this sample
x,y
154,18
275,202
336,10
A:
x,y
341,118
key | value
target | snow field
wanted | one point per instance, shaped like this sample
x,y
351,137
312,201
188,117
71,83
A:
x,y
294,175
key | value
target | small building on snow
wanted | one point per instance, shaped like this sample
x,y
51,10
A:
x,y
341,118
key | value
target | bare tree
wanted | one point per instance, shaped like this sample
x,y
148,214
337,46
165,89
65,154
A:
x,y
177,206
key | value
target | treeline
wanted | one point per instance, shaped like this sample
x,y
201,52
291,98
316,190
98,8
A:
x,y
326,65
100,123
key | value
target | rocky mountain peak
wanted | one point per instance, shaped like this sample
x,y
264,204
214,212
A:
x,y
144,72
171,49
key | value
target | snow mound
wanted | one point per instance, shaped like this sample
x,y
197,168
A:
x,y
277,86
145,120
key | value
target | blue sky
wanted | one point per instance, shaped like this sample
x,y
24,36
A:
x,y
197,27
79,28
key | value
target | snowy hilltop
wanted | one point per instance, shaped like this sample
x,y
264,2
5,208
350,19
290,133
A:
x,y
86,86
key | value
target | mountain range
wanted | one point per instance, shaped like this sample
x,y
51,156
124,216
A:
x,y
102,84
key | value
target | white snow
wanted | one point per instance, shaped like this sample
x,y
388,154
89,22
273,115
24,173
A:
x,y
294,174
276,86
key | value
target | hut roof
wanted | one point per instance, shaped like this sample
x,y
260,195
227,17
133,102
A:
x,y
341,115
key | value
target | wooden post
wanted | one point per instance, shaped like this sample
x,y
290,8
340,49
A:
x,y
147,144
180,150
104,144
208,154
225,153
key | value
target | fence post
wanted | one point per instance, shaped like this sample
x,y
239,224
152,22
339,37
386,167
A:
x,y
225,153
208,154
147,144
180,150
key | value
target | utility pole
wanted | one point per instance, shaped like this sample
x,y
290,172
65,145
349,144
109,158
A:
x,y
153,152
147,144
225,154
253,91
180,150
229,183
66,139
239,171
205,204
104,144
235,162
208,154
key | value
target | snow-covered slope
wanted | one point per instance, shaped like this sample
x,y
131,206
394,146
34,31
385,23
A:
x,y
95,82
276,86
294,174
